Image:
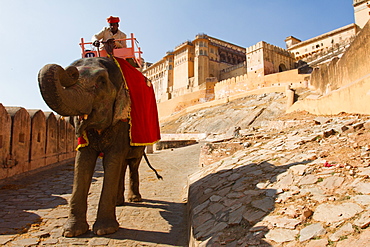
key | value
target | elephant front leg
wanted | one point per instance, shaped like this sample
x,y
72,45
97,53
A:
x,y
83,172
133,192
106,222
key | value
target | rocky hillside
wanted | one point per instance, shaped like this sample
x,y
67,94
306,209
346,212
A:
x,y
286,180
250,111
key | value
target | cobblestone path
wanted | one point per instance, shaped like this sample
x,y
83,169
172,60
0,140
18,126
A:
x,y
33,210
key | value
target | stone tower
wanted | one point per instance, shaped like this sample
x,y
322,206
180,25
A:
x,y
361,11
201,59
264,59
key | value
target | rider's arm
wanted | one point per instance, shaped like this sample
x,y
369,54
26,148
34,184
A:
x,y
99,35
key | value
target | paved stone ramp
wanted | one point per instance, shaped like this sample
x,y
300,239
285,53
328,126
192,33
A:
x,y
305,185
33,210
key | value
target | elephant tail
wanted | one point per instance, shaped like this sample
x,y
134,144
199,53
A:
x,y
151,167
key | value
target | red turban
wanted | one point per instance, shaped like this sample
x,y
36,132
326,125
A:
x,y
112,19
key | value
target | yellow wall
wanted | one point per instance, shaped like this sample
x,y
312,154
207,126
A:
x,y
354,98
240,84
181,67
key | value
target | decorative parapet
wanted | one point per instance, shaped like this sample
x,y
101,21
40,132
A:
x,y
220,43
29,140
188,42
255,47
358,2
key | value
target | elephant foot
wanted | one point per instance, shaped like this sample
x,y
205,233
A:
x,y
120,200
135,198
75,228
104,227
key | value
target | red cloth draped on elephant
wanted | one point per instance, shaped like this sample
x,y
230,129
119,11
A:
x,y
144,115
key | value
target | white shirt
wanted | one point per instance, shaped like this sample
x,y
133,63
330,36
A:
x,y
106,34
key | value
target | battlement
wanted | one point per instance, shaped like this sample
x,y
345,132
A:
x,y
266,46
33,139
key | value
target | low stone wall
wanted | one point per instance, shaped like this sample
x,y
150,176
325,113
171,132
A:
x,y
33,139
353,98
188,136
248,82
178,140
174,144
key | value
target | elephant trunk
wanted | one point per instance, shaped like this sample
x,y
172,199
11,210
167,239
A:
x,y
62,93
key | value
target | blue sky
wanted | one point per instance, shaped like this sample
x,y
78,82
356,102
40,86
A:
x,y
38,32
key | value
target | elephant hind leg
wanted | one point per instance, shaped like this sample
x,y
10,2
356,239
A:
x,y
133,192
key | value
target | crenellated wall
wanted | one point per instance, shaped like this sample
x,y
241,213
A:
x,y
33,139
246,82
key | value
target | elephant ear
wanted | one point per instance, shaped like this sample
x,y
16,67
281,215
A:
x,y
122,105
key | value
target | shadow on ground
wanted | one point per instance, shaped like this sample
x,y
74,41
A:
x,y
26,201
173,213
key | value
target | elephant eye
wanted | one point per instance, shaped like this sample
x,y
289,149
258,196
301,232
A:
x,y
101,80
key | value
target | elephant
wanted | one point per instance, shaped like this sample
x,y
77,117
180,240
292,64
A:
x,y
93,91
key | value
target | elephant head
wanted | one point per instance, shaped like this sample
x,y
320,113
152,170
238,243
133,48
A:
x,y
92,89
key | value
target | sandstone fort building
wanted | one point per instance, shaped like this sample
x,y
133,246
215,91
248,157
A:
x,y
207,68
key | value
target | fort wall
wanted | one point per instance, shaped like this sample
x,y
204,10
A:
x,y
246,82
201,94
29,140
340,72
344,84
353,98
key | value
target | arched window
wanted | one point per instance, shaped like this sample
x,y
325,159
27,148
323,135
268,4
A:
x,y
282,68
